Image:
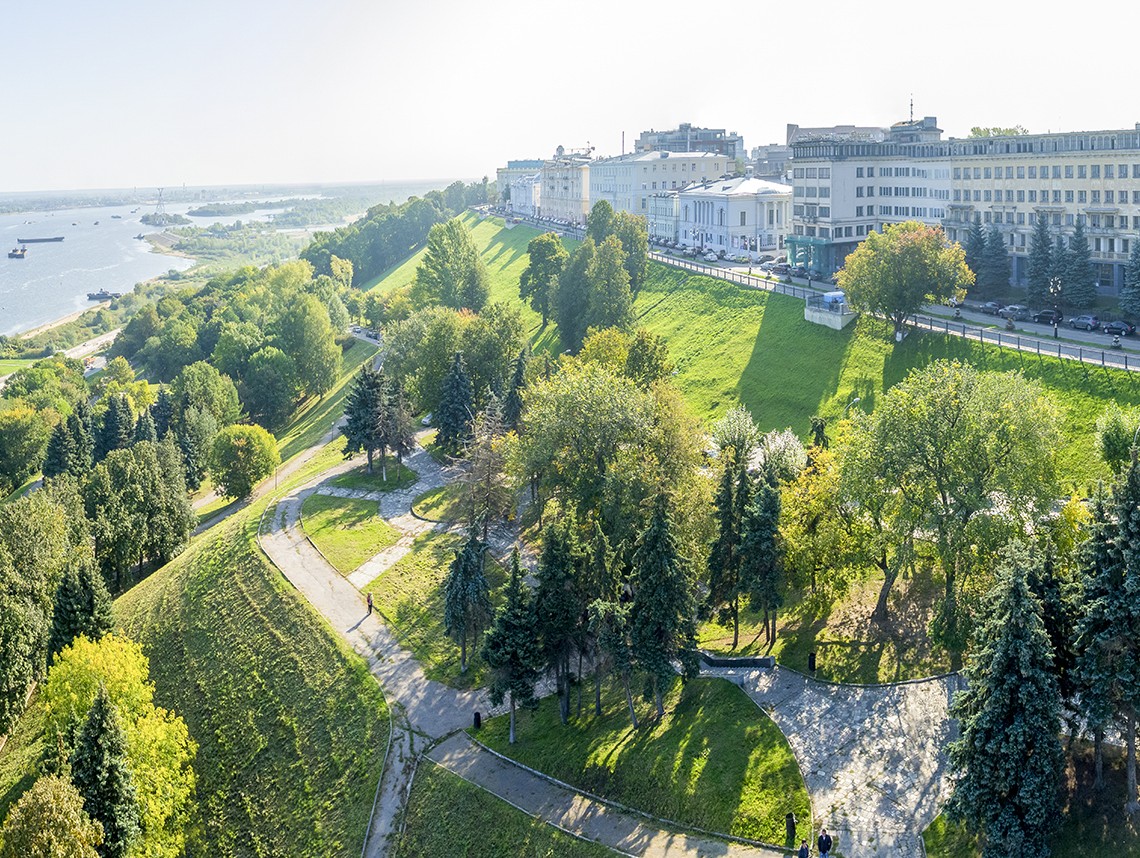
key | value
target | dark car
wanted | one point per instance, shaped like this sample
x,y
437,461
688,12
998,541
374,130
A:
x,y
1047,317
1120,327
1089,323
991,307
1018,312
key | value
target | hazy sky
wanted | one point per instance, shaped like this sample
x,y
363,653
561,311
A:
x,y
118,94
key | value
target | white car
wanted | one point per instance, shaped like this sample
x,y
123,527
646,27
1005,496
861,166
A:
x,y
710,257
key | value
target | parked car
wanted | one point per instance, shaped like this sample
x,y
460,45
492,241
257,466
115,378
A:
x,y
991,307
782,269
710,257
1089,323
1119,327
799,271
1018,312
766,258
742,257
953,302
1047,317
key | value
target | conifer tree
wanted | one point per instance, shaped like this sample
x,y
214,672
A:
x,y
466,597
144,428
1079,284
455,415
363,412
1130,294
762,563
1008,759
558,607
162,412
1127,502
60,450
976,249
994,276
724,554
401,425
100,772
1040,264
598,583
1059,598
118,427
488,494
511,648
83,442
82,607
1060,265
663,626
610,624
513,404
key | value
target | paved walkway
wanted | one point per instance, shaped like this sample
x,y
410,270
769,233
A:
x,y
872,757
573,812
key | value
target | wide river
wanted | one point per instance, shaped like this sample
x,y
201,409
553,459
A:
x,y
98,251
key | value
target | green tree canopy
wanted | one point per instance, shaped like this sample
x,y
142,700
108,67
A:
x,y
452,272
49,822
546,256
511,648
242,457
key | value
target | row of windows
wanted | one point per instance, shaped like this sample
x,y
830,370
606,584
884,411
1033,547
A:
x,y
1093,221
1094,198
811,172
840,231
1080,171
812,191
810,211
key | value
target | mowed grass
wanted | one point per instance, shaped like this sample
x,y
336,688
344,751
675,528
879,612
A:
x,y
360,480
1093,821
347,531
409,596
290,726
715,761
446,816
21,756
11,365
444,503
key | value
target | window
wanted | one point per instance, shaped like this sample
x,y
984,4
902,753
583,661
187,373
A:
x,y
1033,172
958,171
978,172
987,195
810,173
825,172
858,172
825,211
870,190
797,210
1021,172
1108,195
1069,196
1033,196
1136,171
1110,171
858,211
1009,196
1056,171
1056,196
859,191
1082,171
1021,218
798,173
743,215
1094,171
977,196
825,192
986,173
1096,198
1021,196
1082,196
870,172
1122,171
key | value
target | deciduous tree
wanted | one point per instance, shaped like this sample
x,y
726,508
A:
x,y
451,272
242,456
49,822
546,257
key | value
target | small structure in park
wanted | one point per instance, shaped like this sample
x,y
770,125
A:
x,y
830,309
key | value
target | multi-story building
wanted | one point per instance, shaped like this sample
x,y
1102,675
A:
x,y
663,217
846,186
686,138
526,195
628,181
1088,176
565,191
515,170
741,215
771,162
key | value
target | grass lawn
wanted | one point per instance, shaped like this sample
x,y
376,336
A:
x,y
360,479
11,365
1093,822
347,531
715,761
290,726
20,759
447,816
441,504
318,416
410,597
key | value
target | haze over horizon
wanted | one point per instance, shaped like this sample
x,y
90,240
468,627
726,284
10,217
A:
x,y
291,92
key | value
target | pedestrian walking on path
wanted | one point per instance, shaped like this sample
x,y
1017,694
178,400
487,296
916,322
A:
x,y
804,851
370,603
824,844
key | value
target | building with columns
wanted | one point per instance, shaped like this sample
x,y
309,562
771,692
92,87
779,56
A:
x,y
628,181
514,170
526,195
565,191
739,216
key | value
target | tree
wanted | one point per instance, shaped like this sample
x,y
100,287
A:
x,y
451,272
237,343
271,386
513,404
609,623
202,387
781,455
511,648
993,277
163,413
196,432
466,598
724,554
24,436
762,565
60,451
364,413
1130,294
997,131
242,456
600,221
117,430
896,272
558,607
49,822
610,302
1126,499
813,530
144,428
648,358
633,233
305,333
488,343
1008,758
1060,266
82,607
455,416
1115,429
1040,264
1080,281
737,431
663,626
546,257
572,297
976,247
102,775
489,497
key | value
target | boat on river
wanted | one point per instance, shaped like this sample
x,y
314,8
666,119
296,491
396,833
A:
x,y
103,295
38,240
17,253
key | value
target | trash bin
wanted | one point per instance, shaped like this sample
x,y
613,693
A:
x,y
790,827
811,661
478,720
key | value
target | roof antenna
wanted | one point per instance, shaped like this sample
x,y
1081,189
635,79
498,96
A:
x,y
912,107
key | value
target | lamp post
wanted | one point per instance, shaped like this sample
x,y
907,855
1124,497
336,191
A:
x,y
847,407
1055,293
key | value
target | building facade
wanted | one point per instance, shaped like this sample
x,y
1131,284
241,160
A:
x,y
504,176
628,181
526,195
845,187
739,216
1087,176
565,191
687,138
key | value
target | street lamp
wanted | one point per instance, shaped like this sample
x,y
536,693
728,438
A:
x,y
847,407
1055,293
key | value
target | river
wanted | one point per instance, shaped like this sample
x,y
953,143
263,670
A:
x,y
99,251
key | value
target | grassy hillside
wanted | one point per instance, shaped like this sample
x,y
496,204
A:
x,y
347,531
291,727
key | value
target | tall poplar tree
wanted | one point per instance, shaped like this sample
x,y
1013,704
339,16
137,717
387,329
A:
x,y
100,772
466,597
1008,759
511,648
572,297
724,554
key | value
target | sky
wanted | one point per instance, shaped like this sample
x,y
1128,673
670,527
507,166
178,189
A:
x,y
216,92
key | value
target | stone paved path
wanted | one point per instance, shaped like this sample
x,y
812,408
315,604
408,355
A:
x,y
573,812
872,757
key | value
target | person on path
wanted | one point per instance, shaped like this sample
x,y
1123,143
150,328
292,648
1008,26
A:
x,y
824,844
804,851
370,603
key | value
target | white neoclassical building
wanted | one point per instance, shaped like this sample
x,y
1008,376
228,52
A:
x,y
627,182
738,216
565,192
526,195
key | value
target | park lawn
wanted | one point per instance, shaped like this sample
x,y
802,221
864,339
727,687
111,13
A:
x,y
21,755
715,761
447,816
409,596
347,531
314,420
1092,822
360,480
291,727
444,504
11,365
848,647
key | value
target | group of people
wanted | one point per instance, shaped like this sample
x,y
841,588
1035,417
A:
x,y
823,844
